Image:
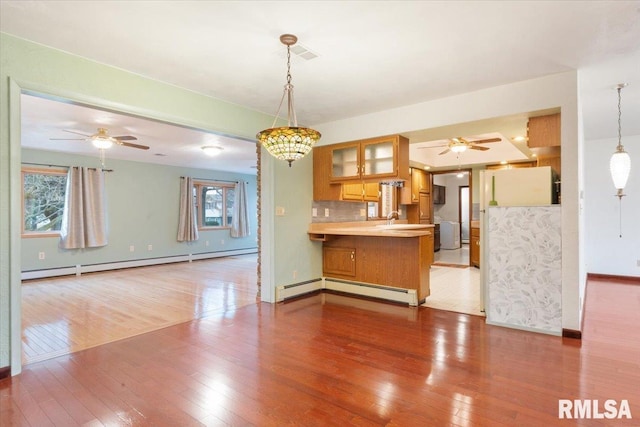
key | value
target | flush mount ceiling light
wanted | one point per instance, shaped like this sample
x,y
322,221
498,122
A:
x,y
212,150
620,163
289,142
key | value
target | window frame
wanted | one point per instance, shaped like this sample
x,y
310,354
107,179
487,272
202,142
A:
x,y
198,185
59,171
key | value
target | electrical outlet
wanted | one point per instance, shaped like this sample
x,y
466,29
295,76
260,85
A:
x,y
206,243
41,255
295,274
363,212
279,211
149,247
314,212
326,212
131,248
222,242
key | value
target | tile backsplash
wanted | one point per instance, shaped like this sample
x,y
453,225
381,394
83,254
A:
x,y
339,211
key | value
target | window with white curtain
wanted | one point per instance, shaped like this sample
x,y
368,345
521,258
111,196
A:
x,y
214,204
43,195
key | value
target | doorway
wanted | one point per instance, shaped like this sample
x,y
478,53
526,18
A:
x,y
453,213
454,285
45,249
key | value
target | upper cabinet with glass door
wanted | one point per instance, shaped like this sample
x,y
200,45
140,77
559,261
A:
x,y
383,158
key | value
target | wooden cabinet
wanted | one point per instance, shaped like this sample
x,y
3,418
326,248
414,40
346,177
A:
x,y
424,207
416,195
439,194
323,188
370,159
544,131
351,171
339,261
361,191
511,166
401,262
474,247
544,139
419,183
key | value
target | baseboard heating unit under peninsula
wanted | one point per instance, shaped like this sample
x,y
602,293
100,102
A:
x,y
389,293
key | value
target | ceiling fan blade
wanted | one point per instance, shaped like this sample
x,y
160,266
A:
x,y
126,138
473,147
67,139
433,146
77,133
128,144
486,141
444,152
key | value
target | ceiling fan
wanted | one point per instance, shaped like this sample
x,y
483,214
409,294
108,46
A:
x,y
460,144
103,140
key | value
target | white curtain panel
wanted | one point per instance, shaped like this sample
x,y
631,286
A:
x,y
187,224
84,218
240,222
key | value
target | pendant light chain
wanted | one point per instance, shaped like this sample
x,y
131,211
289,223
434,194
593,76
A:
x,y
619,119
289,89
619,148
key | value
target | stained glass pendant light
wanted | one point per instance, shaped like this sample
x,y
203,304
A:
x,y
289,142
620,163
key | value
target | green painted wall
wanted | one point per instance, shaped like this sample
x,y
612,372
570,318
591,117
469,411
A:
x,y
36,68
142,210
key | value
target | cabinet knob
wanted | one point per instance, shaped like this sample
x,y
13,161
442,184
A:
x,y
353,256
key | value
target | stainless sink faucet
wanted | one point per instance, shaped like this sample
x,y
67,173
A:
x,y
390,217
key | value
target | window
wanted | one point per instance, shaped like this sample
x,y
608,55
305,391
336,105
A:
x,y
214,204
43,194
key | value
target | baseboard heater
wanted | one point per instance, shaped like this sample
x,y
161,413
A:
x,y
91,268
389,293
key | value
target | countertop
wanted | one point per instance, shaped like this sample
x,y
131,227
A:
x,y
370,228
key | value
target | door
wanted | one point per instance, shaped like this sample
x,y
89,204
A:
x,y
465,221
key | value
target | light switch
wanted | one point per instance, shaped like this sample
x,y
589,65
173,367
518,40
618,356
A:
x,y
279,211
326,212
314,212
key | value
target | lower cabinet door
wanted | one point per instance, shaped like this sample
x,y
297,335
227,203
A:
x,y
339,261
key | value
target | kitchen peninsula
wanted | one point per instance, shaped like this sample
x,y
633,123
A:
x,y
382,258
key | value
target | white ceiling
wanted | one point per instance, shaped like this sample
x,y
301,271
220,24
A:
x,y
372,55
43,119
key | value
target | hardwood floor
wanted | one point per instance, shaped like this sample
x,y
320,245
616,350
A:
x,y
333,360
67,314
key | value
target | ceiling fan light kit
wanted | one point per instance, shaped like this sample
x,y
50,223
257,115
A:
x,y
289,142
102,140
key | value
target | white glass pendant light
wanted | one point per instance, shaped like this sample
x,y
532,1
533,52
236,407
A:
x,y
620,163
288,142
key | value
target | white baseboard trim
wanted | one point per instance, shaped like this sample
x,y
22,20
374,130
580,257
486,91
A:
x,y
406,296
91,268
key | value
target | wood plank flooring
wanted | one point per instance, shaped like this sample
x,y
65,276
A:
x,y
67,314
333,360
